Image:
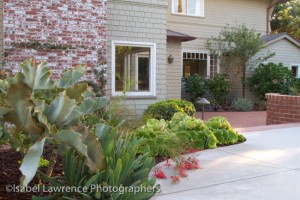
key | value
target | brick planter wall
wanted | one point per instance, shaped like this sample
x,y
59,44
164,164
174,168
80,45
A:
x,y
78,27
282,109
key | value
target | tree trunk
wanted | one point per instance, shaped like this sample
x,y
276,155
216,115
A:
x,y
244,82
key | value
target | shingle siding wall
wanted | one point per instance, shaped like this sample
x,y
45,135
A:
x,y
218,13
174,70
139,21
80,26
286,53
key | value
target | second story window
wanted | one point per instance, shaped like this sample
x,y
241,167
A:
x,y
188,7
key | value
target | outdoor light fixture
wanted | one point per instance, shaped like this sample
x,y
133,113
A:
x,y
203,102
170,59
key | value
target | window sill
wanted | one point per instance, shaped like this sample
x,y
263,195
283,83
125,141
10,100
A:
x,y
186,15
134,97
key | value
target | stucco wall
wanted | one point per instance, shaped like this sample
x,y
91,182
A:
x,y
139,21
174,70
77,26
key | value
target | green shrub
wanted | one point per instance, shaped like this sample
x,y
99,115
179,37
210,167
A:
x,y
242,104
219,87
158,138
270,78
199,136
194,86
223,131
295,88
167,108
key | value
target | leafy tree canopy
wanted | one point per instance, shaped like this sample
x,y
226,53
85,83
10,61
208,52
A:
x,y
285,18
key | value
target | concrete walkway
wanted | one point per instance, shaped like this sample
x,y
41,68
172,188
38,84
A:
x,y
266,167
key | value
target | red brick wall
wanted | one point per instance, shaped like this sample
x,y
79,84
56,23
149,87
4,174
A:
x,y
79,26
282,109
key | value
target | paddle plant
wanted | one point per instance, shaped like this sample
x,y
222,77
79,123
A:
x,y
40,108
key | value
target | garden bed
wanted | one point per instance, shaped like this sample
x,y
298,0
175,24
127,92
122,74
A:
x,y
10,173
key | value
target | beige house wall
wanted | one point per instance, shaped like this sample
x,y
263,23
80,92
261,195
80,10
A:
x,y
287,53
1,34
219,13
174,70
139,21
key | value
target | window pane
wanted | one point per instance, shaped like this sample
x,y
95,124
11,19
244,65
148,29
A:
x,y
295,71
132,66
192,6
179,6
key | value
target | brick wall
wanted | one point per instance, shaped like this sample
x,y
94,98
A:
x,y
282,109
68,32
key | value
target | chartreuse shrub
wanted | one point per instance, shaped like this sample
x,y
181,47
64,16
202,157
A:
x,y
169,139
182,133
223,131
40,109
124,172
167,108
270,78
192,132
155,135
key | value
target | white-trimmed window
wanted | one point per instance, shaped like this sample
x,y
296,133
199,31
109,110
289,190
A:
x,y
200,63
188,7
133,68
296,70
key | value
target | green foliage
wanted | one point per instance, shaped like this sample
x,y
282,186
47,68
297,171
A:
x,y
242,104
124,169
169,139
237,47
43,162
194,86
285,18
167,108
219,87
223,131
295,88
41,108
270,78
158,138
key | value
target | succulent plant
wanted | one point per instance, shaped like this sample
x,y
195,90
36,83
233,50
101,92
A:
x,y
42,108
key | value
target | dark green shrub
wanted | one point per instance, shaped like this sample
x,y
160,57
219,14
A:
x,y
270,78
242,104
295,88
167,108
194,86
219,87
223,131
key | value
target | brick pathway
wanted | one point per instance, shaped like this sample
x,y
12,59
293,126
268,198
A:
x,y
239,119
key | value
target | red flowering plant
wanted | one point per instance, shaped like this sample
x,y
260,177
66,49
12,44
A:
x,y
158,173
175,179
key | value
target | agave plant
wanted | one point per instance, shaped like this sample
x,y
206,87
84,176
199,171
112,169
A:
x,y
123,170
42,108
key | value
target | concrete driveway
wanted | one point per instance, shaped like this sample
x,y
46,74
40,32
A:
x,y
266,167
